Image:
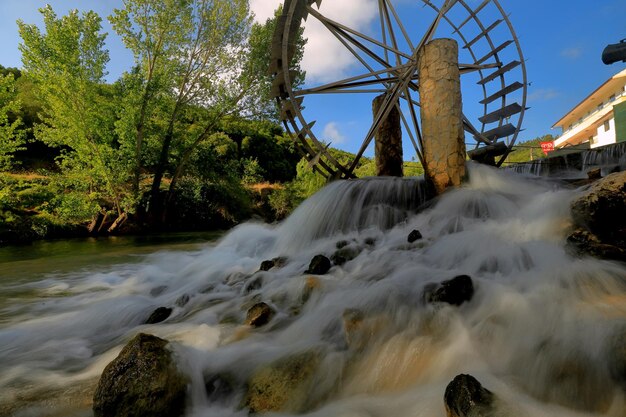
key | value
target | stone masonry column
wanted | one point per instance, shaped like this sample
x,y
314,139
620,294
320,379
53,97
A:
x,y
388,141
441,114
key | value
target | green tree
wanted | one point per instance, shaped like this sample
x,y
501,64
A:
x,y
188,54
11,139
528,151
67,65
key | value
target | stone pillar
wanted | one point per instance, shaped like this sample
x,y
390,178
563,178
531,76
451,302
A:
x,y
388,140
441,114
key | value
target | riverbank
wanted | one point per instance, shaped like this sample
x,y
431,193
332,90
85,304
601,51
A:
x,y
33,208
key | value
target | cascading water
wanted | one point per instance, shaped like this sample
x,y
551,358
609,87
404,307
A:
x,y
608,159
540,331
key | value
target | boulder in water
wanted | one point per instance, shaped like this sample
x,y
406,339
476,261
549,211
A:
x,y
142,381
414,235
277,262
283,386
455,291
159,315
594,174
319,265
259,315
601,209
345,254
584,242
266,265
466,397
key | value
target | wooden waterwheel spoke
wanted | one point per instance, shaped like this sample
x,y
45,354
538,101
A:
x,y
390,101
428,36
414,120
367,65
389,57
355,81
389,6
410,132
387,26
406,94
349,33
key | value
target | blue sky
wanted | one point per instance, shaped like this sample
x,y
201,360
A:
x,y
562,42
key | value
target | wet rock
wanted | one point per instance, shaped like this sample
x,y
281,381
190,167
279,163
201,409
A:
x,y
311,284
283,386
414,235
319,265
582,242
266,265
253,285
617,358
560,373
159,315
156,291
594,174
259,315
278,262
466,397
342,244
600,210
361,330
370,241
455,291
219,387
182,300
352,326
345,254
142,381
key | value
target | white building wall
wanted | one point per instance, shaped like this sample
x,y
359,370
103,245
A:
x,y
605,137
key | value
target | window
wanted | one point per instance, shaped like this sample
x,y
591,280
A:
x,y
607,126
600,106
593,140
612,98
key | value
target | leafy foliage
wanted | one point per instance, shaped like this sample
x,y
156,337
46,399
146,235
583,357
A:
x,y
528,151
67,64
11,139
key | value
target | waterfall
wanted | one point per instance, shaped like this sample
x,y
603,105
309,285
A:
x,y
539,332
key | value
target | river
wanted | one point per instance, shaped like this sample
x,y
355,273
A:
x,y
540,330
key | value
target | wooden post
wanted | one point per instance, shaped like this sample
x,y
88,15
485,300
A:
x,y
441,114
388,140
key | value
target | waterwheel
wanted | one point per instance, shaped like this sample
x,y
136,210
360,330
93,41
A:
x,y
492,67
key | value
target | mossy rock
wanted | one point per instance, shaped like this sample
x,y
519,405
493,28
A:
x,y
142,381
283,386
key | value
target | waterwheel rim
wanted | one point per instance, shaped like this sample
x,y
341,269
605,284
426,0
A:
x,y
491,63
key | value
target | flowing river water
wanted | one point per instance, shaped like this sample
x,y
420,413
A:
x,y
544,330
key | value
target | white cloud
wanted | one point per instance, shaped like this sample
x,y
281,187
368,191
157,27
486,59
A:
x,y
264,9
325,58
332,134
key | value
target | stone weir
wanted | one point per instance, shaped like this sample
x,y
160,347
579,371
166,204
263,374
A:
x,y
577,164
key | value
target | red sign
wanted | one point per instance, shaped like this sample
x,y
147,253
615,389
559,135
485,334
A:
x,y
547,147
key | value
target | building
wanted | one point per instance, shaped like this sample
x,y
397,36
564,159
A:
x,y
598,120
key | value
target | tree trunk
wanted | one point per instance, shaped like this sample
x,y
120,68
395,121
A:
x,y
118,222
